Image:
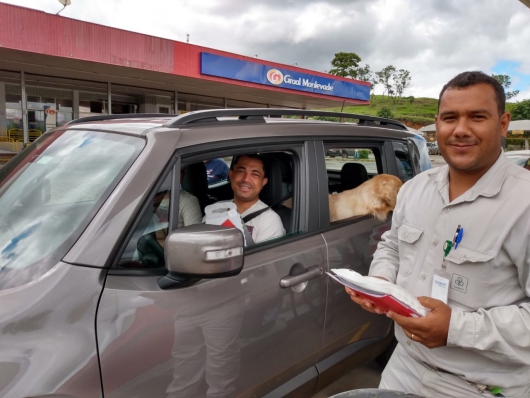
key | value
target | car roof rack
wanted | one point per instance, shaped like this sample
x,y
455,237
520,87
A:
x,y
258,114
99,118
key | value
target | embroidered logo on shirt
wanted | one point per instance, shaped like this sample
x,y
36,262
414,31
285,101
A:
x,y
459,282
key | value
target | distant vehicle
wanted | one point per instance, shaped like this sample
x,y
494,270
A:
x,y
520,158
433,148
336,152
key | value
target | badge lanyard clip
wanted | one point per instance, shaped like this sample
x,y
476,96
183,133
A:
x,y
440,283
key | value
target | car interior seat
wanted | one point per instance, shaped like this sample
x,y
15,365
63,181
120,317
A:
x,y
352,175
196,182
274,191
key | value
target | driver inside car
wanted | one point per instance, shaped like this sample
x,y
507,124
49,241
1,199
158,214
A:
x,y
151,246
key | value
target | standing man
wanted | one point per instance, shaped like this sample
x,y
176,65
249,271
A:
x,y
460,240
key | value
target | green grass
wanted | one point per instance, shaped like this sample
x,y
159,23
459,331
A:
x,y
416,113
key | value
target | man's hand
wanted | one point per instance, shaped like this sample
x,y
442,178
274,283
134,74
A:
x,y
430,330
364,303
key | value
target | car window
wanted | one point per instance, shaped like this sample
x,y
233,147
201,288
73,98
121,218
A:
x,y
201,202
146,247
348,167
48,197
217,170
357,167
402,156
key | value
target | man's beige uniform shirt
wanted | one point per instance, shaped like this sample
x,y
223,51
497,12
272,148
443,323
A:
x,y
489,332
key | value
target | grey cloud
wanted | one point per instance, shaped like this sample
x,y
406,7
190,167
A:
x,y
433,39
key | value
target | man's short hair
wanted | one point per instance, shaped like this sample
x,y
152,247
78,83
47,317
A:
x,y
252,156
468,79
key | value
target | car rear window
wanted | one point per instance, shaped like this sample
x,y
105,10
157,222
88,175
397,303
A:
x,y
49,194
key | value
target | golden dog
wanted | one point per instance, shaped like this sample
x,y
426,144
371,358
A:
x,y
377,196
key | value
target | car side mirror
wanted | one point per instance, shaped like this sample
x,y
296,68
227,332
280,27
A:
x,y
202,251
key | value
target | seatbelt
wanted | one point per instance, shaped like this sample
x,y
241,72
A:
x,y
251,216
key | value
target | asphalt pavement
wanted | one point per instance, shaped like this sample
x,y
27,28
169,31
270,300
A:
x,y
437,161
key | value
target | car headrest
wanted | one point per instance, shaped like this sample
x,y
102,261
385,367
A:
x,y
352,175
272,191
196,180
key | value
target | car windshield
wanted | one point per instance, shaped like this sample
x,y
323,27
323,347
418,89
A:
x,y
50,192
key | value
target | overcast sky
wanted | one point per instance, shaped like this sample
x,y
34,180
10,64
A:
x,y
433,39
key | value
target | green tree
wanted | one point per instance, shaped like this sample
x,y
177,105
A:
x,y
400,81
345,65
385,112
506,82
521,111
364,73
384,77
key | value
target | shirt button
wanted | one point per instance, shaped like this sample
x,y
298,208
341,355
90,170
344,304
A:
x,y
446,210
408,342
434,243
423,277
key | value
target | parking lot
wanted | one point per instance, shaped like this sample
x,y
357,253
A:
x,y
437,161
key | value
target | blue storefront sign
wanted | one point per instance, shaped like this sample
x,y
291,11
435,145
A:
x,y
252,72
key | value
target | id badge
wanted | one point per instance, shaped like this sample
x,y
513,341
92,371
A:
x,y
440,285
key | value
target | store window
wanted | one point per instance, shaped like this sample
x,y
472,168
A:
x,y
13,110
92,108
47,108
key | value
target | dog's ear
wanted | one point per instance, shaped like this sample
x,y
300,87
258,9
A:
x,y
385,193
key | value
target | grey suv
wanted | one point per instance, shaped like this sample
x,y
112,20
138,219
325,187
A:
x,y
87,313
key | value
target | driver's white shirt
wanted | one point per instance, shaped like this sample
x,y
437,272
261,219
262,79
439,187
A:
x,y
267,225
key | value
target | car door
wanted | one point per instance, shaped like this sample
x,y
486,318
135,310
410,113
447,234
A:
x,y
244,335
351,244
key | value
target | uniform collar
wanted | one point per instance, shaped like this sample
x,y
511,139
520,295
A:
x,y
488,185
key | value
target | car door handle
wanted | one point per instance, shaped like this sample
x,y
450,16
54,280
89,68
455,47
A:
x,y
311,273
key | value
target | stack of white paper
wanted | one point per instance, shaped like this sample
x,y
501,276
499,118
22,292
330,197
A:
x,y
377,288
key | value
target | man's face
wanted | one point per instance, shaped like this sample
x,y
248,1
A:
x,y
247,179
469,128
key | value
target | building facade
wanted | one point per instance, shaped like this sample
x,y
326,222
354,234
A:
x,y
55,69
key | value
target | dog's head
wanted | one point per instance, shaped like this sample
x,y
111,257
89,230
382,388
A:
x,y
386,188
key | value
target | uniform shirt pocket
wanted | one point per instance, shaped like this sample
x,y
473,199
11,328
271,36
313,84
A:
x,y
409,244
470,272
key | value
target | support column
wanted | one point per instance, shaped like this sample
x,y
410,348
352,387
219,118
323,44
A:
x,y
3,110
109,99
225,103
188,106
176,104
76,105
24,107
